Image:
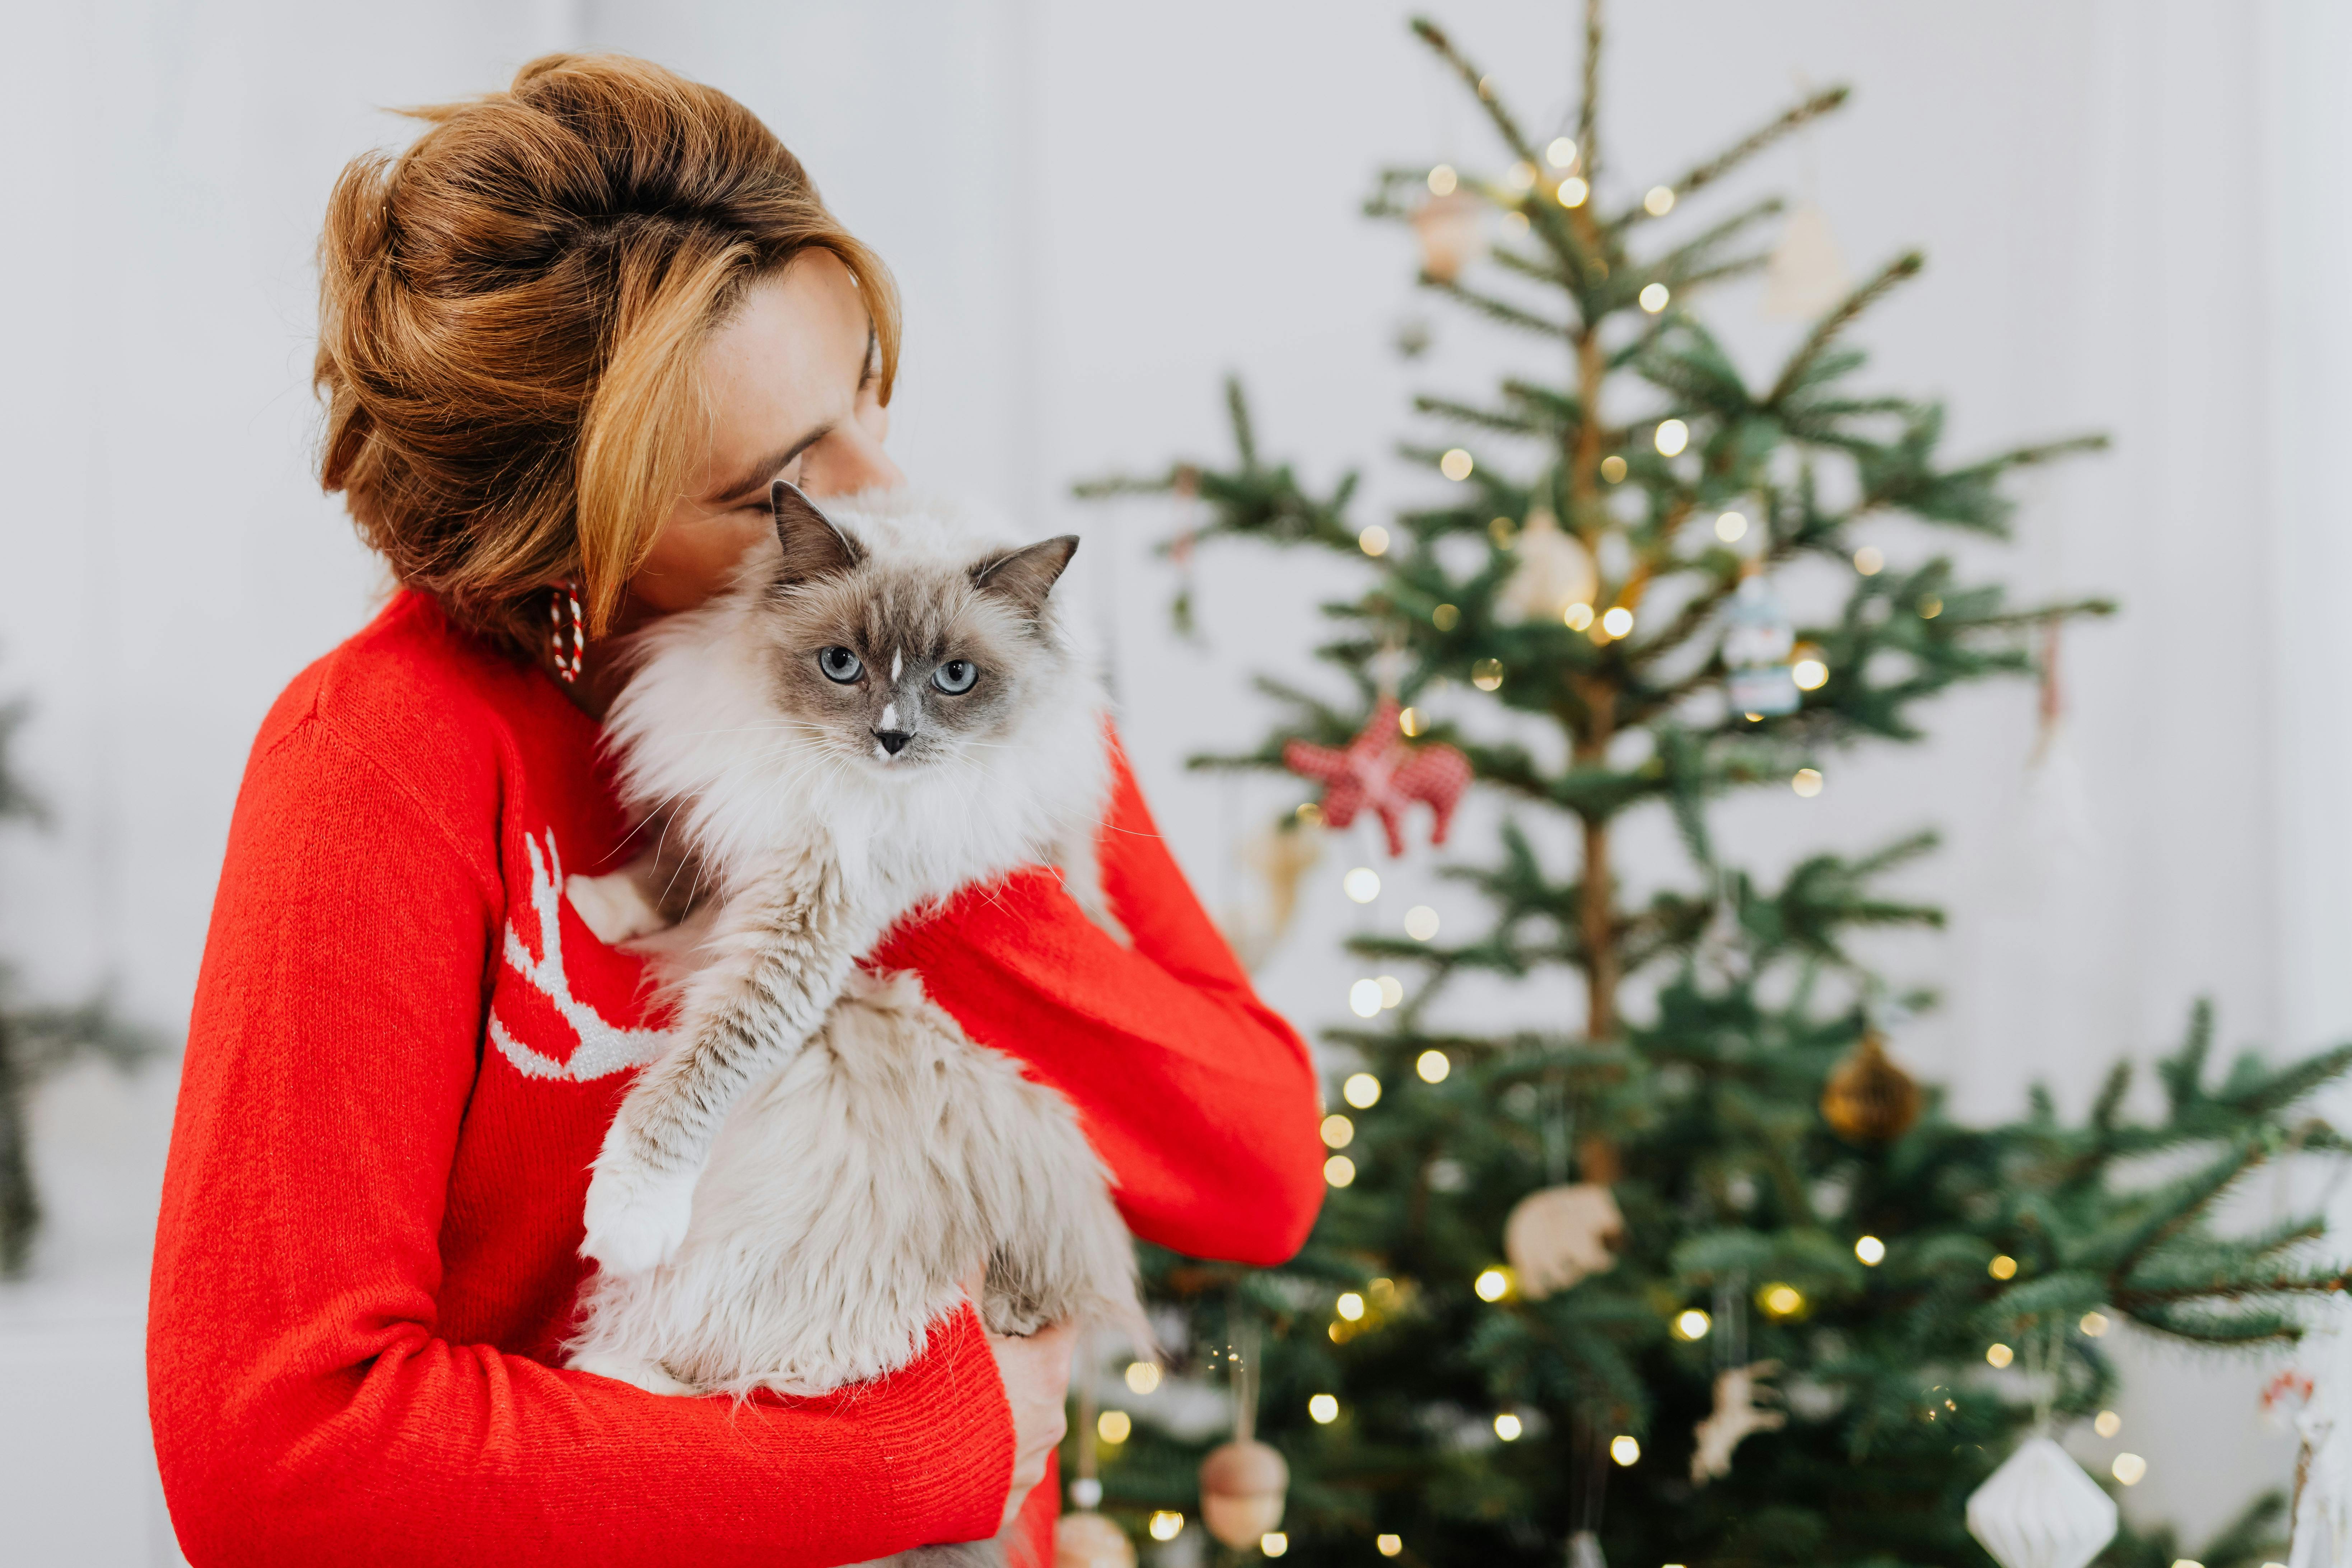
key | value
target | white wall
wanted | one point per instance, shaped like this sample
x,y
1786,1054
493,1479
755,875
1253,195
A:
x,y
2133,211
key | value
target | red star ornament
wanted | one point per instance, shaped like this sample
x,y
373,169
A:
x,y
1380,771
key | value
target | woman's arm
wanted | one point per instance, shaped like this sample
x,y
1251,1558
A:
x,y
1200,1099
305,1410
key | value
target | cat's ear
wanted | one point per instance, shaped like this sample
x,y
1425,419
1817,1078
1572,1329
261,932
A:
x,y
813,546
1026,575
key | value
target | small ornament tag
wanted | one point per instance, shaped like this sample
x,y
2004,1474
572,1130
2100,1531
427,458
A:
x,y
1805,275
1448,227
1757,640
1737,1416
1558,1236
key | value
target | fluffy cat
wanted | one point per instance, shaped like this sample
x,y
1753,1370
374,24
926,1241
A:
x,y
887,711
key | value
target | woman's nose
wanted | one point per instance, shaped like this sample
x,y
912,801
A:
x,y
850,459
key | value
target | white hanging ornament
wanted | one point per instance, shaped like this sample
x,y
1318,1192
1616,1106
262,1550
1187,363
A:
x,y
1554,571
1450,232
1757,641
1278,858
1737,1416
2040,1510
2322,1469
1584,1550
1557,1235
1806,275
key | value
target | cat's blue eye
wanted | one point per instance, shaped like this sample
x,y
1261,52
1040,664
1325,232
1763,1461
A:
x,y
956,676
840,664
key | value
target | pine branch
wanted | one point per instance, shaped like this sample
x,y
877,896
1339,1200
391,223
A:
x,y
1794,375
1757,140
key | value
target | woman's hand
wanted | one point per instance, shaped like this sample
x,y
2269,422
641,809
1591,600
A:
x,y
1036,1373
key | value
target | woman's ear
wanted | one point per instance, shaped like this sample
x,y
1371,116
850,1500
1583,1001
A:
x,y
813,546
1026,575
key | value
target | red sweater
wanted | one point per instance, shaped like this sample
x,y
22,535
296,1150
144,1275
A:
x,y
405,1051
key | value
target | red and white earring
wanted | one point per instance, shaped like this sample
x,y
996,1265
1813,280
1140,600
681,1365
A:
x,y
564,610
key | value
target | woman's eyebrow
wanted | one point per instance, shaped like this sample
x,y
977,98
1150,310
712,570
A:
x,y
759,475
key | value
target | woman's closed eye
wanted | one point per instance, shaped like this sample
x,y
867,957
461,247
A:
x,y
956,676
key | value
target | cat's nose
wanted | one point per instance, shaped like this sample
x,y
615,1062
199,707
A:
x,y
892,741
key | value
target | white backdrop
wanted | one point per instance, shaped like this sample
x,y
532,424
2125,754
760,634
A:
x,y
2134,212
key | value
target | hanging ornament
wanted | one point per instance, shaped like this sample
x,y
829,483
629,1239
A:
x,y
1554,571
1737,1414
1584,1550
1380,771
2322,1466
2040,1510
1557,1235
1869,1099
1448,227
1806,275
1757,640
1086,1539
1243,1482
1279,857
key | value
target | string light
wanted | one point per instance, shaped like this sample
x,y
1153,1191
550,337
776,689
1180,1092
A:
x,y
1810,674
1114,1427
1324,1409
1930,607
1337,1131
1274,1543
1653,297
1617,620
1561,153
1390,1545
1492,1285
2129,1469
1142,1376
1625,1450
1339,1171
1672,437
1373,540
1442,180
1446,617
1486,674
1807,781
2002,1268
1612,467
1362,884
1508,1428
1410,721
1421,922
1578,615
2094,1324
1167,1525
1999,1356
1871,1250
1308,812
1361,1090
1364,998
1869,560
1391,990
1351,1307
1731,527
1780,1300
1433,1066
1659,201
1691,1325
1455,465
1572,192
2107,1424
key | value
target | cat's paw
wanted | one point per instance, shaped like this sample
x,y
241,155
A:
x,y
612,906
637,1220
644,1375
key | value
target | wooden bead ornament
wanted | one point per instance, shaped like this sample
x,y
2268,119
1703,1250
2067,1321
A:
x,y
1086,1539
1557,1235
1869,1099
1243,1483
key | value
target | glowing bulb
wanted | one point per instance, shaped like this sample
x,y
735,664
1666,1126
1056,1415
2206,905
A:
x,y
1446,617
1114,1427
1391,990
1612,467
1390,1545
1617,620
1780,1300
1731,527
2002,1268
1930,607
1807,781
2107,1424
1142,1376
1351,1307
1810,674
1455,465
1361,1090
1410,722
1373,540
1690,1323
1561,153
1871,1250
1167,1526
1492,1285
1274,1543
1508,1428
1421,922
1623,1448
1433,1066
1999,1356
1578,617
1869,560
2129,1469
1486,674
1324,1409
1659,201
1672,437
1364,998
1442,179
2094,1324
1654,298
1362,884
1572,192
1337,1131
1339,1171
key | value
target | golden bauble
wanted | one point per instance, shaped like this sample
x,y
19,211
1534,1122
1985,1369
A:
x,y
1557,1235
1241,1489
1090,1541
1869,1099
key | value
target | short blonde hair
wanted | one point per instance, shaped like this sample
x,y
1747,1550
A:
x,y
511,320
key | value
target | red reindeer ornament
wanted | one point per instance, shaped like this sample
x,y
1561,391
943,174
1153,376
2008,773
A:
x,y
1380,771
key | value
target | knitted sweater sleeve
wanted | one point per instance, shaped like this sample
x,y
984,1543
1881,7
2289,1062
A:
x,y
1199,1097
306,1411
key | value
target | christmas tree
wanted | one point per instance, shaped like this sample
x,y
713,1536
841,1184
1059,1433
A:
x,y
1704,1277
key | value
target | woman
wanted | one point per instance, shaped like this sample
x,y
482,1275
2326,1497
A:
x,y
568,340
